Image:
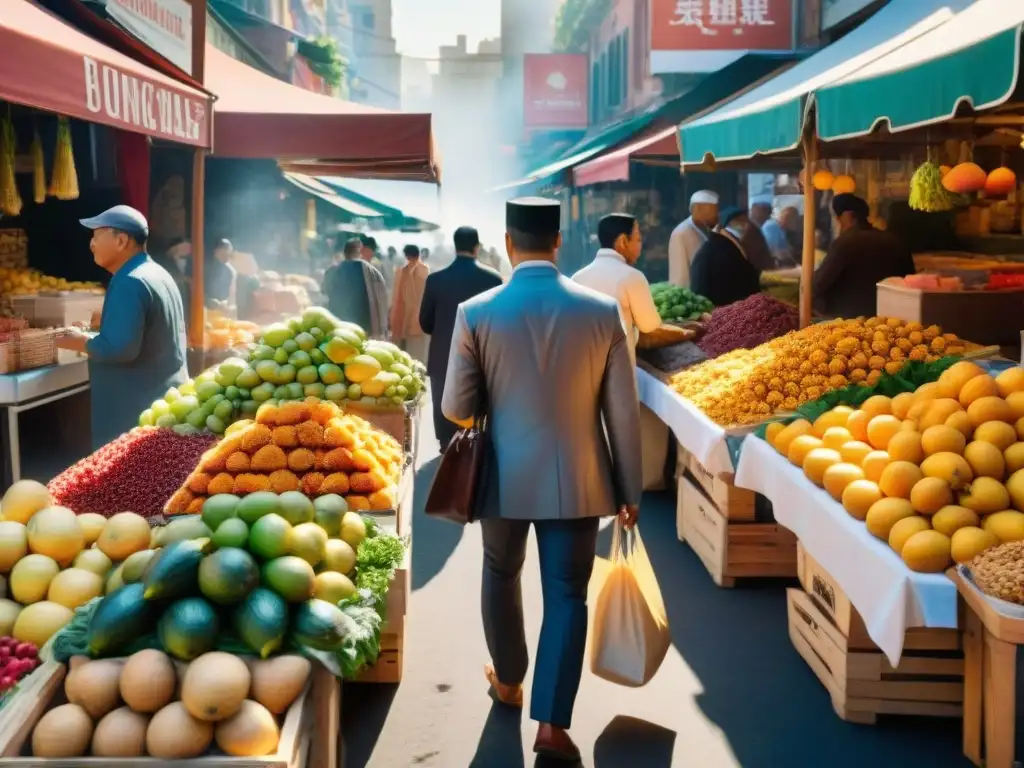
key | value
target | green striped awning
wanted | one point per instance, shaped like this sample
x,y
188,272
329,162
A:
x,y
770,118
972,58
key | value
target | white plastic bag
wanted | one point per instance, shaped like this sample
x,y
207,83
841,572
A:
x,y
630,632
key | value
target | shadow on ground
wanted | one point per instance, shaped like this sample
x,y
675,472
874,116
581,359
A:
x,y
434,540
757,689
368,705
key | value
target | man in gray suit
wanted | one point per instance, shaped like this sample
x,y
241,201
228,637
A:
x,y
550,359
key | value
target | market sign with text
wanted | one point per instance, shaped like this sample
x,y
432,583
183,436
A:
x,y
706,35
555,90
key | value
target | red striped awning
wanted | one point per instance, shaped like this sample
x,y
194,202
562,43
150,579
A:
x,y
614,166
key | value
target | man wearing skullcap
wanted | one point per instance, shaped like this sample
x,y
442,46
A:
x,y
549,362
613,274
691,235
721,271
845,285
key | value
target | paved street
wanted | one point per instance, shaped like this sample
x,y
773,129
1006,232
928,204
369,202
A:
x,y
732,691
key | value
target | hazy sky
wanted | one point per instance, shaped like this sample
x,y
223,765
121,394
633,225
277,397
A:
x,y
421,26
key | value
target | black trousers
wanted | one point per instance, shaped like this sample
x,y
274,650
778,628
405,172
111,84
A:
x,y
444,430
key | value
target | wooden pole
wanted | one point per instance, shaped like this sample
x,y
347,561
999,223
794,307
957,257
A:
x,y
197,309
810,152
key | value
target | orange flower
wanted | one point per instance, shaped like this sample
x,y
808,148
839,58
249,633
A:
x,y
222,483
199,482
335,483
255,437
250,483
358,503
286,437
283,480
238,462
311,434
311,482
269,458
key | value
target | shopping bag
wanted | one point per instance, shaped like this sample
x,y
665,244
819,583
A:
x,y
630,634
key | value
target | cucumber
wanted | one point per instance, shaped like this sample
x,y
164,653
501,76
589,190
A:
x,y
261,621
175,572
188,628
120,618
321,625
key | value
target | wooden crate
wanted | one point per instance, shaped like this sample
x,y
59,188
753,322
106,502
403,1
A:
x,y
833,603
862,684
732,502
388,669
732,550
33,701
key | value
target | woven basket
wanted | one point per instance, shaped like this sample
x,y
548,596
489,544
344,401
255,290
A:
x,y
34,348
665,336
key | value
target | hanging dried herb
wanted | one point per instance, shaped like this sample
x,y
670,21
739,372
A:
x,y
64,182
10,200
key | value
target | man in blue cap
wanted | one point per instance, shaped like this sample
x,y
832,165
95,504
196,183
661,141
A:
x,y
139,352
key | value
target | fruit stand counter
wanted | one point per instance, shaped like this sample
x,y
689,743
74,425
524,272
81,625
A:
x,y
27,390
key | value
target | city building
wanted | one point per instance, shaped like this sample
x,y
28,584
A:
x,y
377,76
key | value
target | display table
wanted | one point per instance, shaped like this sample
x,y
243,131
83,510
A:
x,y
26,390
699,435
888,596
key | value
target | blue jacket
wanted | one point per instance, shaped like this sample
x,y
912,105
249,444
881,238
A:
x,y
139,352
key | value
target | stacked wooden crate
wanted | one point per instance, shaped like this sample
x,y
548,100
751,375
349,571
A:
x,y
830,635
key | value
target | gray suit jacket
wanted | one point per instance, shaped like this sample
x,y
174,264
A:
x,y
553,360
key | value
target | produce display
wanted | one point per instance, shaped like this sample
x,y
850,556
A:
x,y
148,705
676,304
315,355
927,192
746,386
999,571
17,659
748,323
223,332
139,471
937,473
312,446
22,281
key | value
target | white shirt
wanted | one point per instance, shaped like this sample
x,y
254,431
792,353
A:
x,y
686,239
609,274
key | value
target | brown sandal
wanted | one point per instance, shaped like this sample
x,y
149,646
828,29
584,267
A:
x,y
509,695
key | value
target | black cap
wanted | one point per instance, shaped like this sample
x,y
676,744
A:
x,y
533,215
411,251
123,218
848,202
728,214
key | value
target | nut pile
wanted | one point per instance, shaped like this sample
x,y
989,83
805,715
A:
x,y
999,571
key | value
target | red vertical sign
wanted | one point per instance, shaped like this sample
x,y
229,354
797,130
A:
x,y
556,90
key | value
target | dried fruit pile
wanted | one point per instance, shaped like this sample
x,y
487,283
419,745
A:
x,y
747,385
999,571
310,446
747,324
139,471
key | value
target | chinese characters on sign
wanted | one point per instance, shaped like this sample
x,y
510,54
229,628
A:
x,y
689,26
722,15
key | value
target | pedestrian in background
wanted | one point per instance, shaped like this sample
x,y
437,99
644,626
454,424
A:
x,y
554,468
691,235
445,289
355,289
220,276
721,272
410,283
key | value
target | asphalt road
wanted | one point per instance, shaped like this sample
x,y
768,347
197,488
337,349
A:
x,y
731,692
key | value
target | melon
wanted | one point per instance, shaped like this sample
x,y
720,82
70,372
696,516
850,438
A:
x,y
901,404
927,552
859,497
835,480
800,447
952,518
174,734
937,411
998,433
930,494
855,451
814,465
1018,427
30,578
884,514
13,544
985,495
836,437
93,560
1014,458
978,387
904,529
148,681
55,532
74,587
942,439
250,732
990,409
95,686
986,460
772,431
38,622
925,392
790,433
874,465
121,733
277,682
877,405
123,535
961,422
828,420
950,467
881,430
1016,402
1011,380
906,446
9,611
899,478
24,499
857,425
956,376
1006,526
64,731
92,526
969,541
1015,485
215,686
908,425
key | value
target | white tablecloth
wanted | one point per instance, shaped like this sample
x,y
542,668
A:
x,y
695,432
889,596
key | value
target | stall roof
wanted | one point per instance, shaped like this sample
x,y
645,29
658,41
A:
x,y
615,165
973,58
390,217
770,118
50,65
259,116
312,186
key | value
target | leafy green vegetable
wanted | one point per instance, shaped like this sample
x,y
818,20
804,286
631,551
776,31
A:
x,y
676,304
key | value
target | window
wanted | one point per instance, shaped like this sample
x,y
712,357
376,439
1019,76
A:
x,y
624,54
367,20
595,92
